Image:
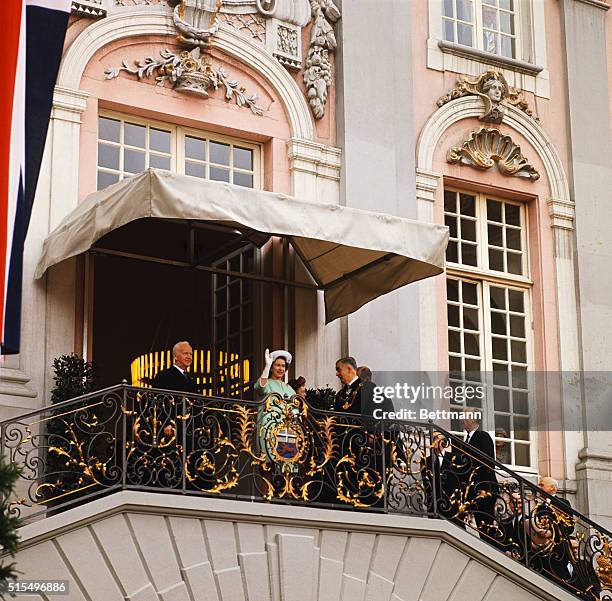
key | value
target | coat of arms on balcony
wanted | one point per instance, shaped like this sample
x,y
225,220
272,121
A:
x,y
488,147
493,88
188,71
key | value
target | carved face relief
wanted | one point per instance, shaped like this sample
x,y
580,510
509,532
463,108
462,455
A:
x,y
494,89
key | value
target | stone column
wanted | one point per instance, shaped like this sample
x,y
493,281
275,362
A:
x,y
591,173
376,134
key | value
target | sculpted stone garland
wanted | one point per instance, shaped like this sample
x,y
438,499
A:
x,y
189,72
318,72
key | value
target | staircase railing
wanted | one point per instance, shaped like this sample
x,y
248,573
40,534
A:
x,y
283,450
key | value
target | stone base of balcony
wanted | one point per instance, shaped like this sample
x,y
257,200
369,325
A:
x,y
144,546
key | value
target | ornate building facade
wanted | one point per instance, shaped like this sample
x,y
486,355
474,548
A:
x,y
491,117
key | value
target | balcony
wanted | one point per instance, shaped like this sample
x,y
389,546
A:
x,y
157,449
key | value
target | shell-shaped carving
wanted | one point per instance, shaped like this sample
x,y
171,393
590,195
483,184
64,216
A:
x,y
488,147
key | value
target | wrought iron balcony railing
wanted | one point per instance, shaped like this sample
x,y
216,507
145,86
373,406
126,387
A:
x,y
282,450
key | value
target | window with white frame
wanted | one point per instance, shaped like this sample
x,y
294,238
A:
x,y
488,310
488,25
128,145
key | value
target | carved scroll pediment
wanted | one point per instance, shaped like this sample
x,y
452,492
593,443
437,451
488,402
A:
x,y
486,148
493,88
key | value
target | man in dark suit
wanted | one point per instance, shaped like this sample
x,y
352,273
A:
x,y
477,475
583,580
439,479
176,377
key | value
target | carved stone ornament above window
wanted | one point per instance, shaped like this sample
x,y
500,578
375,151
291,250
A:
x,y
486,148
493,88
189,72
318,73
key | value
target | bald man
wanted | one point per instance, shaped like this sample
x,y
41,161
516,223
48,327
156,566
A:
x,y
176,377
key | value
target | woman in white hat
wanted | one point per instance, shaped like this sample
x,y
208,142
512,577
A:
x,y
274,376
272,380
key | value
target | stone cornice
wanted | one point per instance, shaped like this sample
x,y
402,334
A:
x,y
512,64
596,4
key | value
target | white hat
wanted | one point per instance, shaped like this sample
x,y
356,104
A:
x,y
286,355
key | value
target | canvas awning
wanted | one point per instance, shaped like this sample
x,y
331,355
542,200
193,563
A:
x,y
354,256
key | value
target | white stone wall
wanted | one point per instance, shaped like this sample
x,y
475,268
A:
x,y
138,546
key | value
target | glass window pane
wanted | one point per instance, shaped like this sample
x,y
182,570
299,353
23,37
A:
x,y
451,252
494,210
470,318
468,254
219,153
133,161
134,135
498,323
519,351
521,428
516,300
513,214
515,263
219,175
159,162
451,223
507,46
519,377
108,156
506,4
464,34
109,129
450,201
468,229
195,169
495,235
195,148
471,344
472,366
454,364
520,403
453,315
501,398
503,423
500,348
521,455
449,31
470,293
243,158
498,297
243,179
517,326
506,22
489,41
447,8
106,179
464,10
467,205
513,238
489,17
454,342
159,139
496,259
500,374
452,290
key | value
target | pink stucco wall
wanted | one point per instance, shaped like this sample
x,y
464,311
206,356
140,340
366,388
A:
x,y
431,85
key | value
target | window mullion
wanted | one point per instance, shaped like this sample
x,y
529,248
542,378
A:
x,y
478,24
487,354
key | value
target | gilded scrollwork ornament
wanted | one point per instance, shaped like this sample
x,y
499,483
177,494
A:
x,y
486,148
189,71
493,88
